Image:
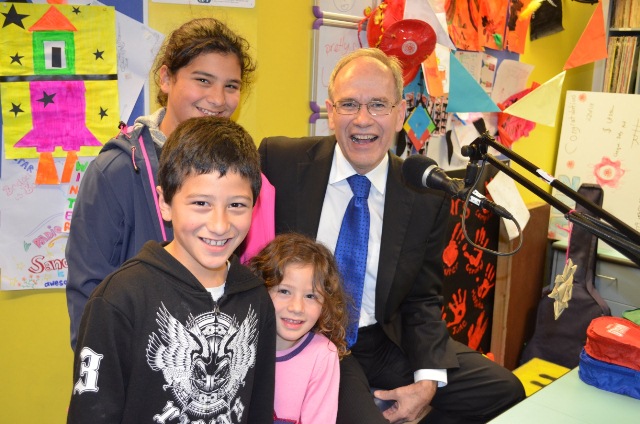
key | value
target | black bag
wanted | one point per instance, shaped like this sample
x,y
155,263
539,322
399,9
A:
x,y
561,341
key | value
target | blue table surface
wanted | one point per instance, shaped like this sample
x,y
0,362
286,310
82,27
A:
x,y
569,400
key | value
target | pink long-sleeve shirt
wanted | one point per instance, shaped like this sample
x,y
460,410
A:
x,y
307,379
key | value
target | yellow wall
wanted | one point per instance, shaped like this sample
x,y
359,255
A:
x,y
280,35
549,55
35,357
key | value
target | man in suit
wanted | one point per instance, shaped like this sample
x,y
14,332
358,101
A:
x,y
403,348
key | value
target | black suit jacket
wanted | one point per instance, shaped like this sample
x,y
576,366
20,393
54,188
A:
x,y
409,281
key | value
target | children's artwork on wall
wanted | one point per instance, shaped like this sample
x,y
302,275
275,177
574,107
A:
x,y
493,21
470,273
58,83
463,20
599,144
547,20
34,220
59,94
481,65
419,126
517,25
511,78
435,74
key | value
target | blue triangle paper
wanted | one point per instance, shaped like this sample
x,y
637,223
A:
x,y
465,94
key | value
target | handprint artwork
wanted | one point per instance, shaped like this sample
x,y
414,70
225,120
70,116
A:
x,y
488,282
451,252
475,256
470,274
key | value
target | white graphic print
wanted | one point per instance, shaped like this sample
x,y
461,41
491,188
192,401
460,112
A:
x,y
88,381
204,363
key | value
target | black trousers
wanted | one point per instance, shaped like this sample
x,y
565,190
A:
x,y
476,392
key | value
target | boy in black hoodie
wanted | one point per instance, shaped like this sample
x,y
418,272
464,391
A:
x,y
182,332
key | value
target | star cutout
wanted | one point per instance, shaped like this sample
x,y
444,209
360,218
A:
x,y
47,98
563,289
103,112
16,58
13,17
76,10
16,109
98,54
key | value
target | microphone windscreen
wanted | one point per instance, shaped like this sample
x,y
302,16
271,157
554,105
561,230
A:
x,y
414,167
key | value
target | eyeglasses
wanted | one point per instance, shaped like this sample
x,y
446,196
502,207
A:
x,y
375,107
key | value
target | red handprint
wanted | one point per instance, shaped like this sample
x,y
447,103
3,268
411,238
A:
x,y
488,281
451,251
475,261
483,215
476,331
458,306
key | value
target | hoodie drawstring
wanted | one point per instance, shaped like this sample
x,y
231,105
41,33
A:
x,y
153,186
133,159
124,130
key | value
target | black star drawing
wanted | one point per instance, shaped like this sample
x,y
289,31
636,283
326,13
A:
x,y
76,10
98,54
103,112
47,98
16,58
13,17
16,109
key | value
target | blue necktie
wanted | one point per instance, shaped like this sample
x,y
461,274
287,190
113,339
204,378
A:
x,y
351,249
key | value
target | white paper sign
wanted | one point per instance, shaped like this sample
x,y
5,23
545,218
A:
x,y
504,192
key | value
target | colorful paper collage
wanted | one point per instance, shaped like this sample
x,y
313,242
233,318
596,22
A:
x,y
463,21
419,127
517,26
493,22
59,95
59,87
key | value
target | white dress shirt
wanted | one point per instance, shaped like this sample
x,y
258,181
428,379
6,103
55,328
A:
x,y
336,199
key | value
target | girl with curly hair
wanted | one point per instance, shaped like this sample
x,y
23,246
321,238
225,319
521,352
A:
x,y
305,286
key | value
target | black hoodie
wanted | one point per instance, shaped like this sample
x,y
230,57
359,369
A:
x,y
153,347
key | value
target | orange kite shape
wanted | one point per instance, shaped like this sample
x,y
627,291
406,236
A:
x,y
592,44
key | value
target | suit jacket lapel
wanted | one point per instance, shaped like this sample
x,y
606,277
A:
x,y
313,176
397,209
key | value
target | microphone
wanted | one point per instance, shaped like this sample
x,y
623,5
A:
x,y
421,171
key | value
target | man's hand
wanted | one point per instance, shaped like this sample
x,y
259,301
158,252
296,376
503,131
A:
x,y
412,401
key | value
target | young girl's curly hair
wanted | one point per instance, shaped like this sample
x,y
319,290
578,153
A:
x,y
292,248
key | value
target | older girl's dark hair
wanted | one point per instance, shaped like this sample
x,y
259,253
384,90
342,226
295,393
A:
x,y
206,144
296,249
196,37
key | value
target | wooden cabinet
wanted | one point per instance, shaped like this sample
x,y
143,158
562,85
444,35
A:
x,y
519,282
